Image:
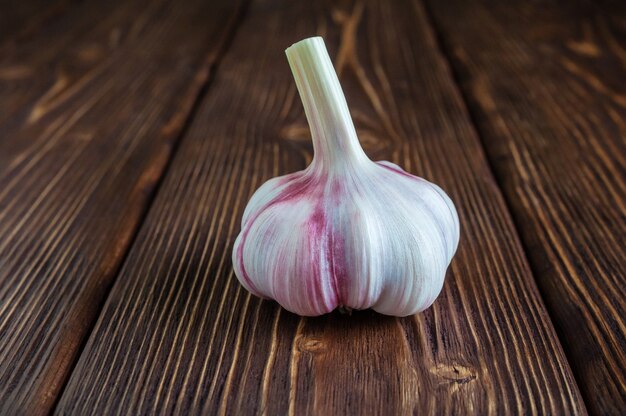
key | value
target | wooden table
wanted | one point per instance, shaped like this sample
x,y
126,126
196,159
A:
x,y
133,133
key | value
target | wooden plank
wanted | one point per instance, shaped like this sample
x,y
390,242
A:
x,y
79,160
549,97
180,336
39,73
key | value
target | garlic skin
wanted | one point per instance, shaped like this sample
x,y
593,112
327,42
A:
x,y
345,232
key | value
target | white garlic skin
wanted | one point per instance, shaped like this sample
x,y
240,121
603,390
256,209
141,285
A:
x,y
346,231
375,238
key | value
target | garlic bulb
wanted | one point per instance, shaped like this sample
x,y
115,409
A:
x,y
345,232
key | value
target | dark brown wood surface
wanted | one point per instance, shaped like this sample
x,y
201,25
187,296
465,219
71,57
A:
x,y
180,335
132,134
91,105
20,18
547,84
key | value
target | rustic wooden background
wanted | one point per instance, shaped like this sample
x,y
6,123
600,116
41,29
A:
x,y
132,134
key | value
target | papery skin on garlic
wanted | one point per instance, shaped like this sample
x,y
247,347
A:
x,y
346,231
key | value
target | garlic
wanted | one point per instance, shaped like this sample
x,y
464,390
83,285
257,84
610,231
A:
x,y
346,232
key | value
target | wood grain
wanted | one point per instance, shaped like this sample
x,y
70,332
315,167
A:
x,y
178,334
549,98
90,129
41,72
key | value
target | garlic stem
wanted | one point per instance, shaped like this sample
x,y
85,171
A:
x,y
335,141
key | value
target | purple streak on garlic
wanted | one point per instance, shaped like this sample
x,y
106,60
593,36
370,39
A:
x,y
346,231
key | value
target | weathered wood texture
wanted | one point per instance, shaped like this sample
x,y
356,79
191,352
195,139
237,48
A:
x,y
88,119
178,333
547,84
